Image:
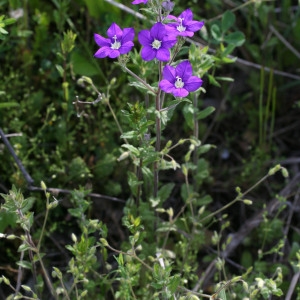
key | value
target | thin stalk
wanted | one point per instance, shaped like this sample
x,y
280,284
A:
x,y
139,79
261,91
131,255
237,8
196,135
189,193
44,223
20,274
64,288
46,276
274,92
158,133
115,118
139,177
269,99
238,198
36,250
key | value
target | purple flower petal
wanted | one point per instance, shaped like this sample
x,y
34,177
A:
x,y
101,41
163,54
181,92
193,83
166,86
114,53
158,31
169,41
139,1
195,25
114,30
144,38
169,73
128,35
125,48
184,70
103,52
148,53
187,15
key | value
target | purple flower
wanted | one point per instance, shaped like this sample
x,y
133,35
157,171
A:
x,y
184,25
179,81
119,42
156,43
168,5
139,1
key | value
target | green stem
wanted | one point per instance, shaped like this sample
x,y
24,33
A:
x,y
238,198
44,223
261,91
139,79
196,135
46,276
115,118
158,134
273,114
131,255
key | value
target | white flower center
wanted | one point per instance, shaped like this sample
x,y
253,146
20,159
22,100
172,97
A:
x,y
116,45
180,27
179,83
156,44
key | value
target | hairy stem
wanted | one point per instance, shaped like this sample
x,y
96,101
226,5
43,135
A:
x,y
158,133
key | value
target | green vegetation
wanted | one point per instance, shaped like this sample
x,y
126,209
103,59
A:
x,y
113,188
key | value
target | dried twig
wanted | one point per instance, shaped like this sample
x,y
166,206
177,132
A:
x,y
284,41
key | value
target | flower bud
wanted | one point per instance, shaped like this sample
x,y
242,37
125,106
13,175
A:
x,y
124,155
43,185
247,202
74,238
284,172
272,171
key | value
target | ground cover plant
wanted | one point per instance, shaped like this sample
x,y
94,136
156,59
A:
x,y
149,149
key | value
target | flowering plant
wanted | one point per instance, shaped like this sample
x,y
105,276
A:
x,y
169,76
119,42
179,81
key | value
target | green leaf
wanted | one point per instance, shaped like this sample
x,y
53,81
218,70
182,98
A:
x,y
3,31
228,49
82,65
188,113
207,199
24,247
174,283
132,149
216,32
213,81
222,295
24,264
165,191
229,79
9,21
8,104
205,112
129,135
60,70
235,38
228,20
